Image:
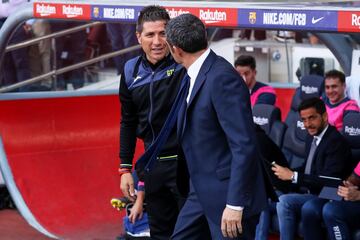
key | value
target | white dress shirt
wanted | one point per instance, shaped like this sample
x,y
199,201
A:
x,y
194,70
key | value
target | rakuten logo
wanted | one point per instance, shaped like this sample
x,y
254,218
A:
x,y
212,16
355,20
309,89
72,11
45,10
260,120
352,131
176,12
300,125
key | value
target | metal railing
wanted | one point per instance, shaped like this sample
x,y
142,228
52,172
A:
x,y
25,14
68,68
56,72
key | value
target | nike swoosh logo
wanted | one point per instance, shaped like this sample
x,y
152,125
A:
x,y
315,20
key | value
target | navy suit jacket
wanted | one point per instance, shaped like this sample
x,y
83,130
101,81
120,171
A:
x,y
332,158
217,136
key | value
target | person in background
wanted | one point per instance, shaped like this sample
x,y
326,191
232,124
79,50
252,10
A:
x,y
342,217
122,36
327,151
336,102
70,49
40,54
260,93
217,137
148,87
16,63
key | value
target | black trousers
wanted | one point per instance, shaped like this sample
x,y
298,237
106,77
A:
x,y
163,199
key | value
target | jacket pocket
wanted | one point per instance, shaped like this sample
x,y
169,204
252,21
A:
x,y
223,173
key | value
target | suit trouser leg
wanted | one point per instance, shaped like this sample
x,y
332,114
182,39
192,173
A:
x,y
191,223
162,199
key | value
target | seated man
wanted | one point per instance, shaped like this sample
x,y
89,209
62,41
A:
x,y
326,151
337,104
341,217
259,92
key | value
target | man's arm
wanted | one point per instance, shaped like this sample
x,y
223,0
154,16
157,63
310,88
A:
x,y
128,125
231,101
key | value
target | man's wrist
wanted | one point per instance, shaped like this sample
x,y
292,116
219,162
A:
x,y
236,208
123,171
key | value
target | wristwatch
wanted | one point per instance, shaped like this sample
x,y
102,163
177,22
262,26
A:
x,y
293,177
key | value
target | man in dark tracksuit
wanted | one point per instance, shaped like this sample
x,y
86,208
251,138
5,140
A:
x,y
148,88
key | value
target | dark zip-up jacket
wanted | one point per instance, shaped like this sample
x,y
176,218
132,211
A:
x,y
147,93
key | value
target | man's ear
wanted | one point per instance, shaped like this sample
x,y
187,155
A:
x,y
325,116
178,51
138,36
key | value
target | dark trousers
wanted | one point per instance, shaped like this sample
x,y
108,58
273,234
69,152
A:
x,y
16,63
192,223
122,36
70,49
163,199
341,218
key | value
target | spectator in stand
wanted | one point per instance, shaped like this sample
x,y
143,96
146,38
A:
x,y
40,51
16,63
260,93
337,104
122,36
327,152
341,217
70,49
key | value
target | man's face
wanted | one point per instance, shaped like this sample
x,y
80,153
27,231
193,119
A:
x,y
334,89
152,40
247,74
313,121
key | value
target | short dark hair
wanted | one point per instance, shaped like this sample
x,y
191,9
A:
x,y
151,13
187,32
313,102
246,60
335,74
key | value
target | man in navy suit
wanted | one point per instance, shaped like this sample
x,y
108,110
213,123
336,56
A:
x,y
328,154
217,136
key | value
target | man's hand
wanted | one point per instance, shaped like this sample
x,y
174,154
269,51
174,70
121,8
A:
x,y
349,192
127,186
282,173
137,210
231,223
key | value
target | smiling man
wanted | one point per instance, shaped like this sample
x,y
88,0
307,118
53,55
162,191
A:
x,y
337,104
328,154
148,87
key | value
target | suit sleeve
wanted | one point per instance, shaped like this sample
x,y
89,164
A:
x,y
128,125
231,101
